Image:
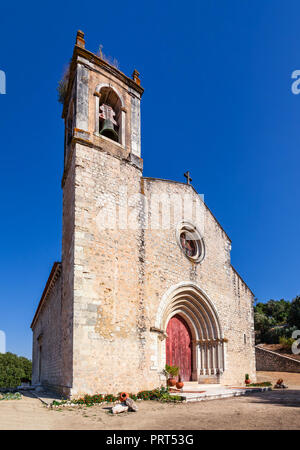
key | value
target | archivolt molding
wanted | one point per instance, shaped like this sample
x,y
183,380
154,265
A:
x,y
190,301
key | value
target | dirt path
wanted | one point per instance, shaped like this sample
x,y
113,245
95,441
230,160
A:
x,y
271,410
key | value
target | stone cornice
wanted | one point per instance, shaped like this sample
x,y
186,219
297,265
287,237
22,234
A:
x,y
54,274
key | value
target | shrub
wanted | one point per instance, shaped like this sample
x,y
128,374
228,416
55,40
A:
x,y
62,86
160,394
13,369
263,384
110,398
173,371
11,396
286,343
133,397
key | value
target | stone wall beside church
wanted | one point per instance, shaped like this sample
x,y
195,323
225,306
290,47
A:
x,y
47,333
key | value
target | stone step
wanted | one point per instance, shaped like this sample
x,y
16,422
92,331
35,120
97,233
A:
x,y
209,379
195,386
218,393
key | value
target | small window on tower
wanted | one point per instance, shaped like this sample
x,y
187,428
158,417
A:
x,y
245,339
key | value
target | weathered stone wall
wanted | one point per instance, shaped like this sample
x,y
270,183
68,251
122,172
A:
x,y
67,310
107,278
267,360
48,330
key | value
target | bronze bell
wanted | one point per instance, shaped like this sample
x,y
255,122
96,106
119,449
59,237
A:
x,y
109,131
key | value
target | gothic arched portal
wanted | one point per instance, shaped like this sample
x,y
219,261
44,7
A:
x,y
189,305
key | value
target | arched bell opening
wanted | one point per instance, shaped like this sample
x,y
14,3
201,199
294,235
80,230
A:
x,y
110,114
187,307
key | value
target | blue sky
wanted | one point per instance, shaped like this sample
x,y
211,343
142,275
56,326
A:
x,y
217,102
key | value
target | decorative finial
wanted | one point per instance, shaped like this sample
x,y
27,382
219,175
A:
x,y
100,51
80,39
188,178
135,77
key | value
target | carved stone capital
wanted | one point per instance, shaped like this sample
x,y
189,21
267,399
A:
x,y
161,333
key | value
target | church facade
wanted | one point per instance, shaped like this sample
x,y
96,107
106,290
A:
x,y
145,277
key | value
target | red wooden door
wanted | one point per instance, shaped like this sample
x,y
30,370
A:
x,y
179,347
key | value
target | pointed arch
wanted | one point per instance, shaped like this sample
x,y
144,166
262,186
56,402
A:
x,y
108,93
189,301
194,303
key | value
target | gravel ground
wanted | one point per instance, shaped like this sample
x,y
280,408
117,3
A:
x,y
278,409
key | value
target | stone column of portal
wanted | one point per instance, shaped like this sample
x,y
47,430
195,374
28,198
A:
x,y
216,358
219,356
213,370
197,369
202,359
223,356
207,358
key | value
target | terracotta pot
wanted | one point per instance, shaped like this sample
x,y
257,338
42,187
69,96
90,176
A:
x,y
179,384
247,381
123,396
171,381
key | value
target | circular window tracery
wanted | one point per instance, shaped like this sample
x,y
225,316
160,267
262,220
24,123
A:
x,y
190,241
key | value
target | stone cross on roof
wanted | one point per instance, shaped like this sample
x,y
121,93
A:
x,y
188,178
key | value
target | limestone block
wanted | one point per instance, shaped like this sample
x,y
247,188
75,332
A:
x,y
131,405
119,408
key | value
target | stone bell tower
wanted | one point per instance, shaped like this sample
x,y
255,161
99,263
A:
x,y
102,105
100,264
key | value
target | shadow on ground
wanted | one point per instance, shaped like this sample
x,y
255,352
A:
x,y
284,397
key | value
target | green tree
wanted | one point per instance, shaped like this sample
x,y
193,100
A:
x,y
271,321
294,313
278,310
262,325
13,369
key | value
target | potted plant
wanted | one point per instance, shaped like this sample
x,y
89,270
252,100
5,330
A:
x,y
247,379
171,372
179,383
